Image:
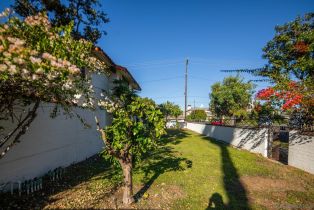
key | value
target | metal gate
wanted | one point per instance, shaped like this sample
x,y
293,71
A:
x,y
279,141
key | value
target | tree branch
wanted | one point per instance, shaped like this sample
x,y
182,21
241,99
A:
x,y
110,150
22,127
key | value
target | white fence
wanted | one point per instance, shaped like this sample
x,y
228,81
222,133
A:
x,y
254,140
301,151
51,143
301,147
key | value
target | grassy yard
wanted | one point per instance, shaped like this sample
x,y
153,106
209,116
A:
x,y
188,171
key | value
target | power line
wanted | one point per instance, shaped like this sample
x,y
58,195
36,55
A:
x,y
161,97
202,78
163,79
152,66
151,63
172,78
199,97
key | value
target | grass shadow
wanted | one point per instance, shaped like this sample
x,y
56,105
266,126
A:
x,y
235,190
173,136
216,202
73,176
155,163
162,160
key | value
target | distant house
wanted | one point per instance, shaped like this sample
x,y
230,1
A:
x,y
51,143
251,105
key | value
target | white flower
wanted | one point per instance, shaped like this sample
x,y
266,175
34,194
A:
x,y
6,54
12,40
66,63
39,71
34,77
67,86
12,69
74,70
77,96
100,103
24,71
46,56
35,60
18,60
3,67
50,76
33,52
19,42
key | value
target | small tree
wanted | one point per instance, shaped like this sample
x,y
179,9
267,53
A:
x,y
137,125
197,115
231,97
176,111
170,109
166,109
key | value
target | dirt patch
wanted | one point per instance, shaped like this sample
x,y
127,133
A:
x,y
255,183
161,196
156,197
81,196
271,193
270,204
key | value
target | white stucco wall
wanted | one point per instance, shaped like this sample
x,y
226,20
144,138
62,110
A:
x,y
301,151
254,140
51,143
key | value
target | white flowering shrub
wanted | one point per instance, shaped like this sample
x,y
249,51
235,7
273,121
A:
x,y
42,63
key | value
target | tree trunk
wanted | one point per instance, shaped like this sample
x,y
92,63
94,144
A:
x,y
177,126
128,185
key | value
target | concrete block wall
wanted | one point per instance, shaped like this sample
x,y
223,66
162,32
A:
x,y
301,151
254,140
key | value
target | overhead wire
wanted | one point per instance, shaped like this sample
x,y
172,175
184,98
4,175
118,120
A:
x,y
170,62
163,79
154,63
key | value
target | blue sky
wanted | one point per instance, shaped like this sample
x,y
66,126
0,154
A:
x,y
153,38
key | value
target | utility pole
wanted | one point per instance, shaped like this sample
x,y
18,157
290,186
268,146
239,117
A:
x,y
186,88
194,110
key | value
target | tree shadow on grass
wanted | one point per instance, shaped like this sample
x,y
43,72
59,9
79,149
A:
x,y
73,176
96,168
162,160
173,136
235,190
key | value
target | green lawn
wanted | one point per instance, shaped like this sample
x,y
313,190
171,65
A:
x,y
188,171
